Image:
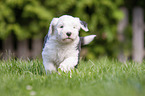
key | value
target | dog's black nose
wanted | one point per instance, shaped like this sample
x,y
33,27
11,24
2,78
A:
x,y
68,33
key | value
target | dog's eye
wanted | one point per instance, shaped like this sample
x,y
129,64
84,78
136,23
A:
x,y
61,26
74,27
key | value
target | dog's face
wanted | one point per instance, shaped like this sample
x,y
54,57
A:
x,y
66,28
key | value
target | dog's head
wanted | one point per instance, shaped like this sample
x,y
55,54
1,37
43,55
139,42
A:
x,y
66,28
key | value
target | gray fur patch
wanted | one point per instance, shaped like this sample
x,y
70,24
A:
x,y
81,42
84,23
45,40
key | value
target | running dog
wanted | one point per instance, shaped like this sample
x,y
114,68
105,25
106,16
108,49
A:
x,y
62,44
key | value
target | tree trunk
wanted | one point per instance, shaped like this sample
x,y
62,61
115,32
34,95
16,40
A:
x,y
120,30
8,48
36,48
23,49
138,34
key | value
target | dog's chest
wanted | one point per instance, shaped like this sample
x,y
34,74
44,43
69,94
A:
x,y
63,53
58,53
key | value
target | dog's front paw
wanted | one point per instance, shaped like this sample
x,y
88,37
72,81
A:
x,y
64,68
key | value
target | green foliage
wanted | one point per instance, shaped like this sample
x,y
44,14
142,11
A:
x,y
102,17
25,18
102,77
31,18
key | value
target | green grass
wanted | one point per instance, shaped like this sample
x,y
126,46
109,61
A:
x,y
102,77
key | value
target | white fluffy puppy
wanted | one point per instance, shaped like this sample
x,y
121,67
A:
x,y
62,44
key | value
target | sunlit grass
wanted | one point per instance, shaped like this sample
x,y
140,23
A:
x,y
101,77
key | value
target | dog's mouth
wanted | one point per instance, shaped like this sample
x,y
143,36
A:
x,y
67,39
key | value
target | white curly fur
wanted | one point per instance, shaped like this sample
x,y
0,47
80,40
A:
x,y
61,44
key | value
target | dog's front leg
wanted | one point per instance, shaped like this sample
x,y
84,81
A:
x,y
68,64
49,67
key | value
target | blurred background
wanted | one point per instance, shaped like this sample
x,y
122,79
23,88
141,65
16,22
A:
x,y
118,24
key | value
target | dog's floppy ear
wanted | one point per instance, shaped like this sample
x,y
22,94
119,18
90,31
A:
x,y
84,25
51,27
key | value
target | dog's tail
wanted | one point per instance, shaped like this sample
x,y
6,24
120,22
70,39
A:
x,y
87,39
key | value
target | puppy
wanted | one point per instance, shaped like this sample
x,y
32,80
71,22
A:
x,y
62,44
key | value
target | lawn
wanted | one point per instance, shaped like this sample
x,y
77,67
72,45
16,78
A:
x,y
103,77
